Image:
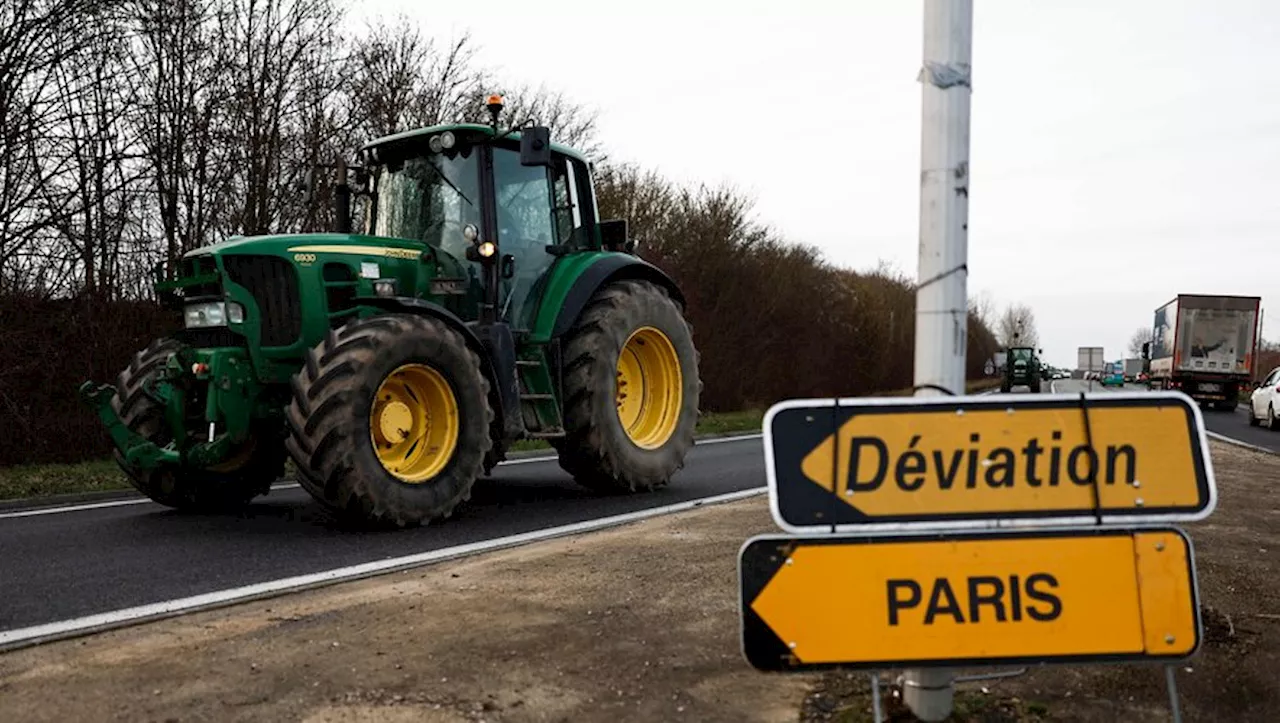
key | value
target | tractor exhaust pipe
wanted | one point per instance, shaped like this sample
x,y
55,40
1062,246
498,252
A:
x,y
342,200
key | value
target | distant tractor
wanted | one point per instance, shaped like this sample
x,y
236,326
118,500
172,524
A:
x,y
1022,368
481,301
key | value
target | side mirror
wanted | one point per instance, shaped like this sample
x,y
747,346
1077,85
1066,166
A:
x,y
613,235
508,266
535,146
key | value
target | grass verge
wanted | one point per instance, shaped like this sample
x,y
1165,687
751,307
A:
x,y
45,480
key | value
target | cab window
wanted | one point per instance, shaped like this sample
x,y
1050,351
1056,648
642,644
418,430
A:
x,y
572,207
526,227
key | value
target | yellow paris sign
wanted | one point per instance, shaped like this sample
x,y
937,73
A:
x,y
971,598
965,461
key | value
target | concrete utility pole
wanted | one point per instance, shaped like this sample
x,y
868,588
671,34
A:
x,y
941,300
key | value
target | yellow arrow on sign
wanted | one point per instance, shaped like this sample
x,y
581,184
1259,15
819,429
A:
x,y
1071,595
1010,457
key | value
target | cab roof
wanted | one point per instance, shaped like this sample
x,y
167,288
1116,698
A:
x,y
470,129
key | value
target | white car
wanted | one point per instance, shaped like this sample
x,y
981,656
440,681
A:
x,y
1264,405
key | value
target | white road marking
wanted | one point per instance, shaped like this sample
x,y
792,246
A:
x,y
1215,435
101,505
36,634
54,510
1239,443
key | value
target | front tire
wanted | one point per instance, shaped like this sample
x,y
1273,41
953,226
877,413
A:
x,y
224,487
389,421
631,390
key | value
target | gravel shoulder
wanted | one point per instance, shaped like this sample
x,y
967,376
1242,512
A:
x,y
638,623
1235,676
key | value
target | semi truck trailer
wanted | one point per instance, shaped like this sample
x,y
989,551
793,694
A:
x,y
1133,368
1205,347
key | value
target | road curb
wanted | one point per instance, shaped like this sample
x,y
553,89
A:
x,y
1237,443
75,498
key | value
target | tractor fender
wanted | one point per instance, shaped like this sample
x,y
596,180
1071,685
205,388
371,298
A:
x,y
607,270
495,346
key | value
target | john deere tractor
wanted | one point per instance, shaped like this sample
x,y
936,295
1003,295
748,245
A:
x,y
480,301
1022,368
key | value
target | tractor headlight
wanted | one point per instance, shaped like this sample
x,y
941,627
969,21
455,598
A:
x,y
212,313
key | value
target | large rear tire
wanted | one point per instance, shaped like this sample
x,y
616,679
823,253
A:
x,y
389,421
224,487
631,390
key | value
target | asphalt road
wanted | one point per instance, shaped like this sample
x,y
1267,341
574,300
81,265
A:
x,y
1234,424
75,563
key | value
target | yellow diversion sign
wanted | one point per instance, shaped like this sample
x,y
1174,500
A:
x,y
967,461
1090,594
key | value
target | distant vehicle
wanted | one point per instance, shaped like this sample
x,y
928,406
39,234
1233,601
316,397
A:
x,y
1205,347
1264,404
1021,369
1114,375
1089,360
1132,368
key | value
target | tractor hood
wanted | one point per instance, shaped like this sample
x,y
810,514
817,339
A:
x,y
286,244
282,293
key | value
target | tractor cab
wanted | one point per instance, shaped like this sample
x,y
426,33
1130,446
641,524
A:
x,y
497,208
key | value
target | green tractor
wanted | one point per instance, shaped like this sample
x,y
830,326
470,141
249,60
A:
x,y
1022,368
481,301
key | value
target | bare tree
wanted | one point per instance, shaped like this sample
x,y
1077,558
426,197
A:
x,y
37,37
177,61
270,43
982,307
1141,336
401,80
92,200
1017,326
642,197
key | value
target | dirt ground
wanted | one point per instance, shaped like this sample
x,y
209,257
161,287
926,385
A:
x,y
634,624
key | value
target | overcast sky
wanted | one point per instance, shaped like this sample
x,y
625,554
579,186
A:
x,y
1122,152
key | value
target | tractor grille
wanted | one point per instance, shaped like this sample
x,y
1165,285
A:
x,y
274,285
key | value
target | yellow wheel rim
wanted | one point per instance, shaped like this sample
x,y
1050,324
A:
x,y
649,389
414,423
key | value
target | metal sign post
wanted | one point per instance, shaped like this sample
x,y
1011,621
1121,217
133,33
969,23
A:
x,y
941,298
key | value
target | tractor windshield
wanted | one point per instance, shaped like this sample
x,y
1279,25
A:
x,y
430,199
1022,355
